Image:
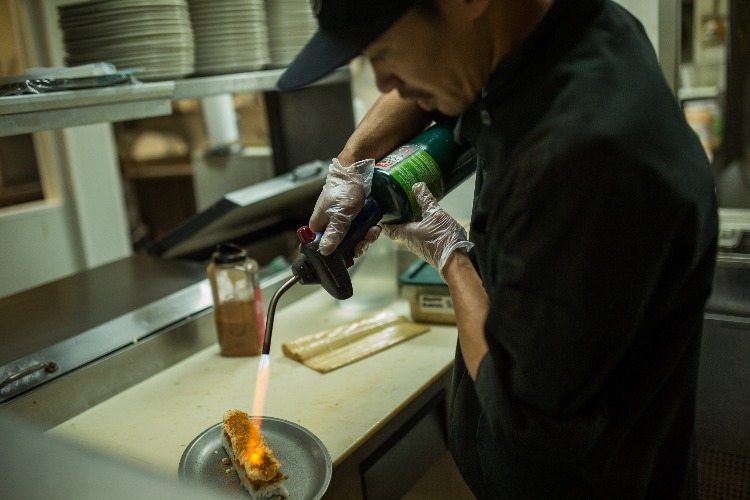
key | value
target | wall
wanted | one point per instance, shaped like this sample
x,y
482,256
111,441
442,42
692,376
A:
x,y
661,20
81,223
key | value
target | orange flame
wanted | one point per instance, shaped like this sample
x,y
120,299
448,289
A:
x,y
261,386
254,452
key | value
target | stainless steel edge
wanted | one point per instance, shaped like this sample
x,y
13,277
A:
x,y
129,328
59,399
254,81
65,397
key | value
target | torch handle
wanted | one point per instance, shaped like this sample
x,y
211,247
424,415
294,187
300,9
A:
x,y
330,271
369,216
272,312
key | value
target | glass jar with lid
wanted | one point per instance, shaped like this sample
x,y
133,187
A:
x,y
238,308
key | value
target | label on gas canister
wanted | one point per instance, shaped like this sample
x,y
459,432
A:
x,y
409,165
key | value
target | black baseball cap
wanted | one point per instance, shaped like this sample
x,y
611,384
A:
x,y
345,28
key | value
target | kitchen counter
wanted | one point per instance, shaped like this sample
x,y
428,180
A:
x,y
152,422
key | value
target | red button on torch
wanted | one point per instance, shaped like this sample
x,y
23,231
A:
x,y
305,235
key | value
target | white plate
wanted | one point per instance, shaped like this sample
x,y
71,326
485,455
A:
x,y
141,30
122,42
208,9
115,11
214,4
213,59
171,59
117,37
255,19
125,21
241,57
221,70
108,5
214,34
240,26
134,51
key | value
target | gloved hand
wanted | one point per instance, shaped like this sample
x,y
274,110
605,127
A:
x,y
342,198
435,236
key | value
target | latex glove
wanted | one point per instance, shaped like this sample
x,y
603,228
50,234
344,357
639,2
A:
x,y
435,236
342,198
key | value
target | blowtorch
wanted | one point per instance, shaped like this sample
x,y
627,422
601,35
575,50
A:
x,y
329,271
433,157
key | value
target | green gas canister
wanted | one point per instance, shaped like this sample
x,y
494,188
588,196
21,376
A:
x,y
432,157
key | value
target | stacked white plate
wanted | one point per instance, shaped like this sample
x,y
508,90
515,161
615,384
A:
x,y
230,35
291,23
155,35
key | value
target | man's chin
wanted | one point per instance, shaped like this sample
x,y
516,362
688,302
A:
x,y
426,103
447,108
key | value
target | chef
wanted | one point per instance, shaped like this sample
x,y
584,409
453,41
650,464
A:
x,y
579,298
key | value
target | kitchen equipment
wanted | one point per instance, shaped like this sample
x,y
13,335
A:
x,y
329,271
226,168
304,458
428,295
249,213
432,157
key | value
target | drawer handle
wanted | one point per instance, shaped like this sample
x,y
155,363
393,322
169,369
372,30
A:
x,y
50,367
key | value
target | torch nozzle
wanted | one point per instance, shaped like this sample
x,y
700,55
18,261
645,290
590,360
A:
x,y
272,311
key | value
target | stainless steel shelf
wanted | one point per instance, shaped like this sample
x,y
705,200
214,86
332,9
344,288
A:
x,y
33,113
256,81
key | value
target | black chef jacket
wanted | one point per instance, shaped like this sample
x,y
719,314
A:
x,y
595,227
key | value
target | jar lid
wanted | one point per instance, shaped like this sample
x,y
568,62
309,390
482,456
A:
x,y
228,253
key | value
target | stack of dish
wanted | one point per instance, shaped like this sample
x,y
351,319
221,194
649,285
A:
x,y
154,36
230,35
291,23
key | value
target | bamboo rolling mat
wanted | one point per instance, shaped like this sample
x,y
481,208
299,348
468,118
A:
x,y
330,349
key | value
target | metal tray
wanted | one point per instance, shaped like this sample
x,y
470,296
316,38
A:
x,y
303,458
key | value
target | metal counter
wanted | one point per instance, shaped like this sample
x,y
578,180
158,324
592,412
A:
x,y
72,321
105,330
722,416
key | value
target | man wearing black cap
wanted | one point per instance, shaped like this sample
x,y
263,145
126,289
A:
x,y
579,308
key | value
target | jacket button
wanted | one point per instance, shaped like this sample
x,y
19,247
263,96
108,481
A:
x,y
486,118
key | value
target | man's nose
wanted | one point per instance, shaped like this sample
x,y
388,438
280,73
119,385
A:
x,y
385,80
